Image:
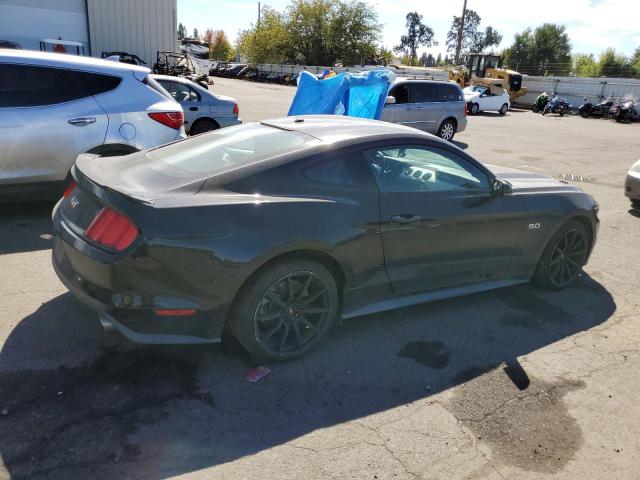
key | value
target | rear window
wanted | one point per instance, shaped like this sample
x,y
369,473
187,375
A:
x,y
449,93
31,85
229,148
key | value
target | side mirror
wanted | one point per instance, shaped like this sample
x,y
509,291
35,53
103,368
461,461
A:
x,y
390,100
500,187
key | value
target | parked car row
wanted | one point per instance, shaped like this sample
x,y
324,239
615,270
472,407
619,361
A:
x,y
54,107
244,72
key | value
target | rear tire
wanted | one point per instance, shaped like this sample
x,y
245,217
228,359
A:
x,y
202,126
504,109
447,130
563,257
285,310
475,108
635,204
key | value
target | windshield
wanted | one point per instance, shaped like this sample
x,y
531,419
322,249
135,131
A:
x,y
474,89
228,148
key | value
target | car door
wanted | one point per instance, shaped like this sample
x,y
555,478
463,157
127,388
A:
x,y
442,224
48,116
187,97
398,112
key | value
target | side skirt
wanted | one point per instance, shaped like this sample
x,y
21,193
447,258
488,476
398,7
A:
x,y
406,300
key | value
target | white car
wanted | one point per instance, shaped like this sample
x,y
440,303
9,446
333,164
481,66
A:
x,y
54,107
481,98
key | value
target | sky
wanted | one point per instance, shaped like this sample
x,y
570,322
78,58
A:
x,y
592,25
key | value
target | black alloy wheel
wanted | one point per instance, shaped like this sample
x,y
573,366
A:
x,y
286,310
564,257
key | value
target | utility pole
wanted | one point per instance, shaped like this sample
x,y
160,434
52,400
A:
x,y
460,30
259,14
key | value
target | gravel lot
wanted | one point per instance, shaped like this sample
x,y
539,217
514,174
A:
x,y
516,383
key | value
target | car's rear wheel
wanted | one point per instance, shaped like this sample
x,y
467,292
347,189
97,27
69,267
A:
x,y
447,130
504,109
475,108
202,126
535,108
285,310
563,257
635,204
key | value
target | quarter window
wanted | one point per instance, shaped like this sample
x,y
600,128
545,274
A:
x,y
450,93
333,171
30,86
424,169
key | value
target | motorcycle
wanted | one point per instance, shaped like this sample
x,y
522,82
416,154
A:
x,y
601,109
626,112
556,105
541,102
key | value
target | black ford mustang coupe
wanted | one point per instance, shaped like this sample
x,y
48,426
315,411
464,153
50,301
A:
x,y
275,229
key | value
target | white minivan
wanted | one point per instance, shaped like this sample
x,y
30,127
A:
x,y
54,107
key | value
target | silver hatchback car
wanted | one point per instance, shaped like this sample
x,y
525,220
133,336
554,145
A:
x,y
436,107
54,107
203,110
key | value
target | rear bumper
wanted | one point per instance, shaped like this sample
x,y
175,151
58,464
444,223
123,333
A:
x,y
632,186
125,300
228,121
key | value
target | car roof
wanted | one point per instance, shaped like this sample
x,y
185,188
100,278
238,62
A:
x,y
344,129
423,80
171,78
30,57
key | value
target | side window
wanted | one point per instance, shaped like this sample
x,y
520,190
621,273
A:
x,y
424,169
449,93
30,86
424,92
180,92
401,93
333,171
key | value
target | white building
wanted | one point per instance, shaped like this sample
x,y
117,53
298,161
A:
x,y
140,27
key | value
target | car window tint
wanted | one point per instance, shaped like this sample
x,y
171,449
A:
x,y
424,92
333,171
401,93
179,91
29,86
229,148
449,93
424,169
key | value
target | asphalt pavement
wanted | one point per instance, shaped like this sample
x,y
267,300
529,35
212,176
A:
x,y
516,383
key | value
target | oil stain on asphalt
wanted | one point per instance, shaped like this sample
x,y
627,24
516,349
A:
x,y
430,354
76,421
529,428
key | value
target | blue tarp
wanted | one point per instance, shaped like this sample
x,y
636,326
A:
x,y
352,94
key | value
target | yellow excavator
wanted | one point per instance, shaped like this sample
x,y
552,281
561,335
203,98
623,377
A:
x,y
486,69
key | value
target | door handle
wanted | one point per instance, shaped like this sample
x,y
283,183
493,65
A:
x,y
82,121
406,218
193,109
417,108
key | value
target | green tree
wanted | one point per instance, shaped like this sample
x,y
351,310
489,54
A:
x,y
385,57
439,60
545,51
585,65
182,31
418,34
196,35
220,48
473,39
424,58
431,62
614,64
315,32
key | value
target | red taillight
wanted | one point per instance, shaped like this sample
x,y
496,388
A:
x,y
111,229
175,313
170,119
69,189
236,110
465,109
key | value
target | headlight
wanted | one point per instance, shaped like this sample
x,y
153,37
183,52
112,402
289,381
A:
x,y
635,167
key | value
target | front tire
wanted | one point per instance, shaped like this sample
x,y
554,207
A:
x,y
563,257
635,204
504,109
285,310
447,130
475,108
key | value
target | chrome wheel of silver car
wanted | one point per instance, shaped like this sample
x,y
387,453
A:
x,y
447,130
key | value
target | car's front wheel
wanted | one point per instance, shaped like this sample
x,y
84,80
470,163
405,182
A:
x,y
285,309
504,109
475,108
635,204
563,257
447,130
